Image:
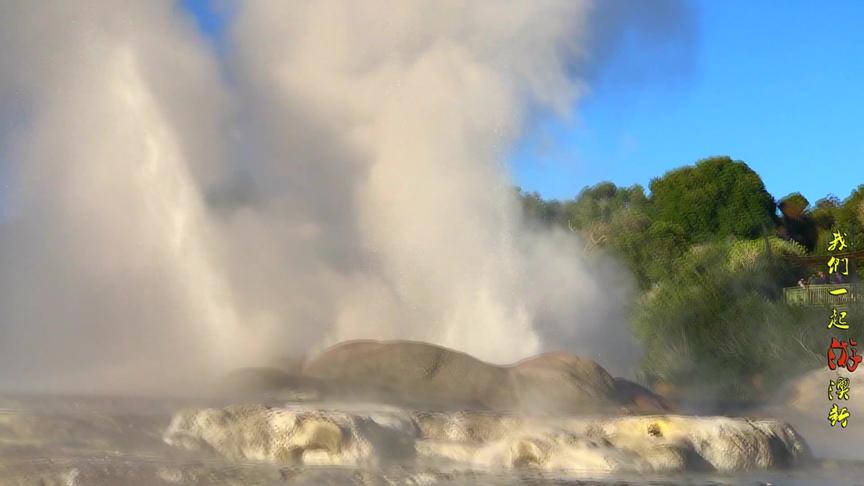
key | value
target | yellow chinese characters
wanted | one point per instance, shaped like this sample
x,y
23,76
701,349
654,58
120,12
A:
x,y
834,265
839,389
838,320
841,386
840,415
838,243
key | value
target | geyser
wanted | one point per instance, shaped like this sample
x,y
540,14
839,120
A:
x,y
336,172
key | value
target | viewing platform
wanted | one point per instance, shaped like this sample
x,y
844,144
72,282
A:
x,y
818,295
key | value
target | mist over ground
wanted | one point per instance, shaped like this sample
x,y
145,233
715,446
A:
x,y
337,173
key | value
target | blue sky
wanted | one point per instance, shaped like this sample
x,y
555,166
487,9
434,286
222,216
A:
x,y
775,84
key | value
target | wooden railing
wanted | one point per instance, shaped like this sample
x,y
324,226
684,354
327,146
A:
x,y
818,295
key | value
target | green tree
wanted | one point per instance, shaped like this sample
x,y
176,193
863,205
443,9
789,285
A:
x,y
711,315
861,212
599,203
716,198
831,215
539,211
797,222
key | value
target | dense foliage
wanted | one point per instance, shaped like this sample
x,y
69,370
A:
x,y
719,327
717,196
712,250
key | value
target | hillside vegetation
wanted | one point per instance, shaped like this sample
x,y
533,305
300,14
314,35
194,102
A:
x,y
711,251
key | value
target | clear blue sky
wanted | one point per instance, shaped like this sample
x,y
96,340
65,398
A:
x,y
779,85
775,84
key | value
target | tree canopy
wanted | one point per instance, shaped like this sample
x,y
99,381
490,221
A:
x,y
711,251
716,197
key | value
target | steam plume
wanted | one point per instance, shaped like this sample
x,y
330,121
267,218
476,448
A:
x,y
347,183
108,264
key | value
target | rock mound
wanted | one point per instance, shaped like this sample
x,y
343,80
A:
x,y
413,372
426,375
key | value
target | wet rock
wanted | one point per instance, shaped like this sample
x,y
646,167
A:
x,y
710,443
663,443
259,433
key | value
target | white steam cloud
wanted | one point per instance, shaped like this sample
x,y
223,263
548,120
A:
x,y
173,213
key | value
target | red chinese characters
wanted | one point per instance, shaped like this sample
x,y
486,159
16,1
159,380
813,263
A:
x,y
848,358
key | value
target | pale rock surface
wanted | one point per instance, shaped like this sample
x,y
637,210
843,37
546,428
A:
x,y
259,433
666,443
